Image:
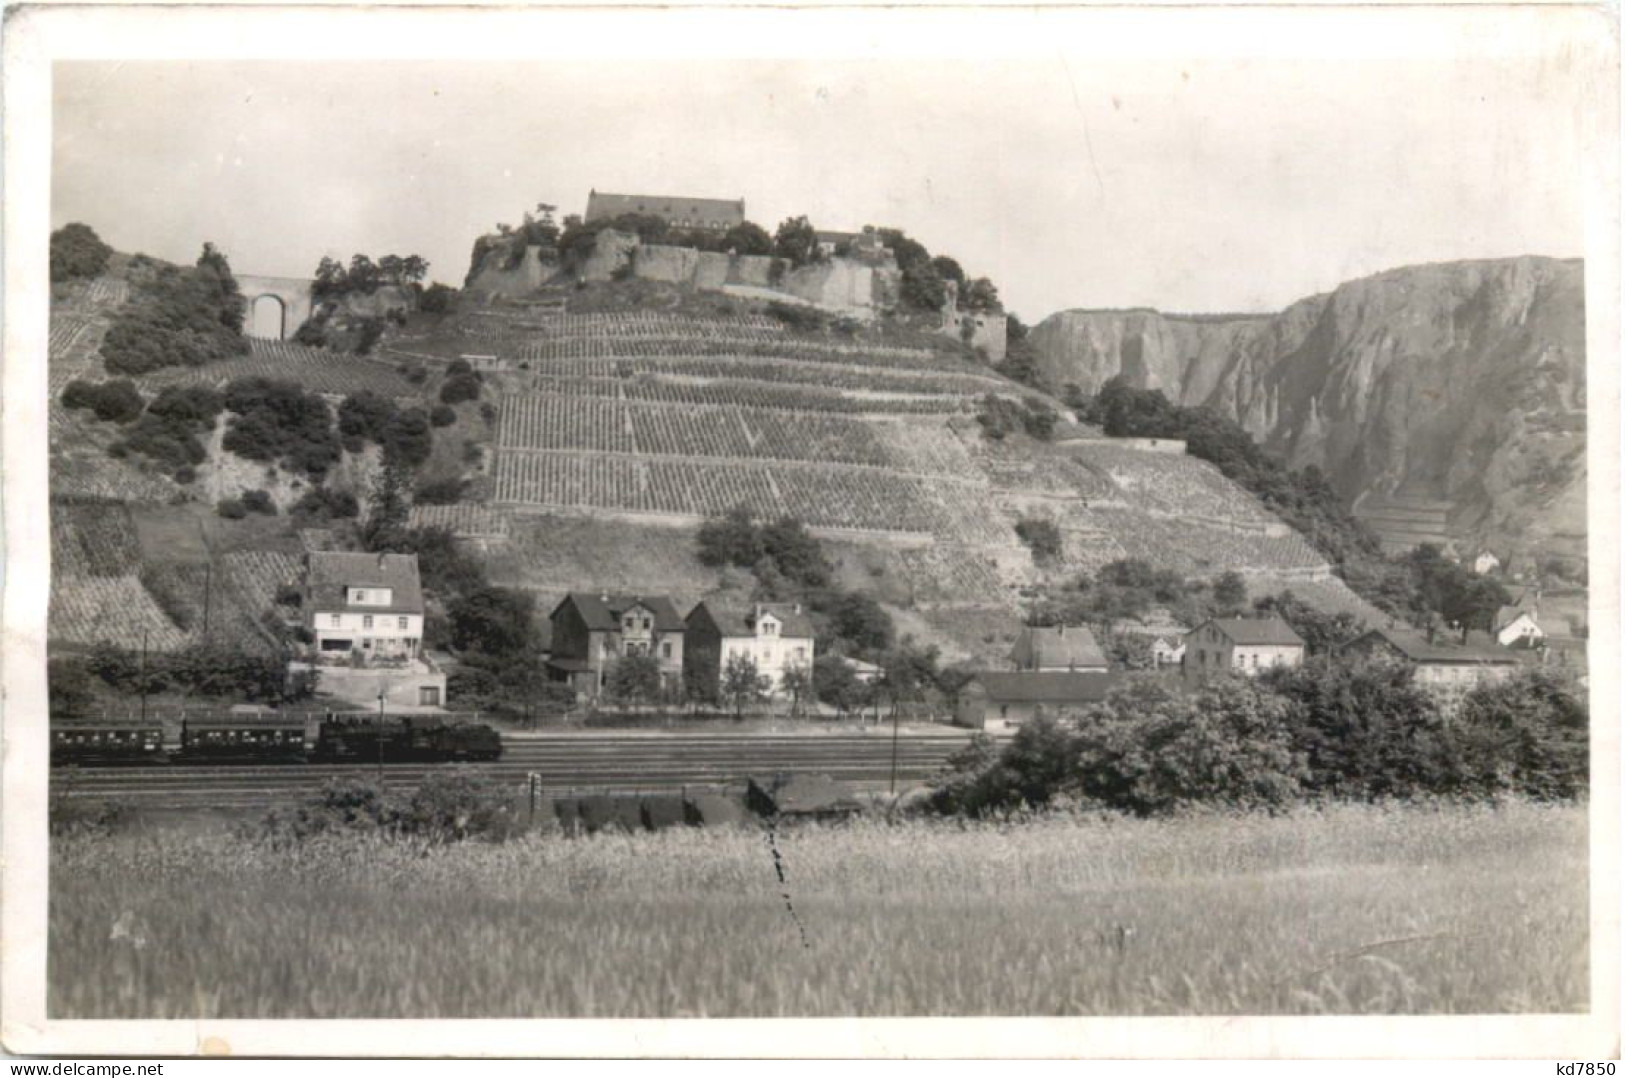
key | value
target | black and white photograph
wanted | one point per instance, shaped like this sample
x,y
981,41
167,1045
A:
x,y
688,514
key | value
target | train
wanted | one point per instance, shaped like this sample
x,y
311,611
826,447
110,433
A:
x,y
226,740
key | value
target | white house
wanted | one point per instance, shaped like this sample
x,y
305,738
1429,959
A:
x,y
1242,645
1167,651
365,616
1486,563
1517,628
778,637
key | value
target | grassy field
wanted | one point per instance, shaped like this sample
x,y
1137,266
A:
x,y
1344,910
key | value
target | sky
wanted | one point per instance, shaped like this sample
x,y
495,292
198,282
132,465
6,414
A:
x,y
1183,185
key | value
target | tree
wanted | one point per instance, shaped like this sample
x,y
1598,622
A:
x,y
731,539
743,683
795,680
634,679
497,622
1322,633
981,297
214,273
1365,729
76,251
834,683
748,238
796,241
1230,592
796,552
862,623
68,686
1527,735
1150,748
385,528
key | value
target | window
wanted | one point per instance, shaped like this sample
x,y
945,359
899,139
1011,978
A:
x,y
402,623
647,623
335,621
366,621
665,650
360,596
801,653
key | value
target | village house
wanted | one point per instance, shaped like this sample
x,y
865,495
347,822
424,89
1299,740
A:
x,y
1057,648
1167,651
1441,663
1517,628
709,214
365,617
590,632
777,636
997,699
1486,563
1242,645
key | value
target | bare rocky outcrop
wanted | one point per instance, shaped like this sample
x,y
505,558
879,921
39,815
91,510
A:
x,y
1461,382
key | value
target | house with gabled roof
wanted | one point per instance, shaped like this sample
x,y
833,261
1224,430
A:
x,y
778,637
1240,645
590,631
997,699
365,617
1443,662
1057,648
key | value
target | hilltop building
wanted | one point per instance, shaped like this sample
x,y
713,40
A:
x,y
777,636
708,214
1051,648
1439,663
365,615
1001,698
590,632
1243,645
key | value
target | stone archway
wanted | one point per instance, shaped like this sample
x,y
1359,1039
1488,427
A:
x,y
267,318
291,294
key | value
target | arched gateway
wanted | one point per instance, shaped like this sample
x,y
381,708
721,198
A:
x,y
286,306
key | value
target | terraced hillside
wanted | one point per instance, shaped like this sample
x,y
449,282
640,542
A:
x,y
106,586
650,419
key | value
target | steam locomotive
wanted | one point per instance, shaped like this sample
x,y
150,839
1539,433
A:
x,y
338,739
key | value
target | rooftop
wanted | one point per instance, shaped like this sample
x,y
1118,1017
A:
x,y
1048,687
1445,648
741,621
1256,631
602,612
1070,646
331,572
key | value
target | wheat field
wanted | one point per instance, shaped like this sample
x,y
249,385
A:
x,y
1341,910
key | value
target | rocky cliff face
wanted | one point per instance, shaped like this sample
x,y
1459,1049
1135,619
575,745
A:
x,y
1461,382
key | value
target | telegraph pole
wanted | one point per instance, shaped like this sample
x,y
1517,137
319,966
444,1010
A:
x,y
143,677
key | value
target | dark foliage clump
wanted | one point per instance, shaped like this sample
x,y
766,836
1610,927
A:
x,y
180,317
117,401
319,505
76,251
1042,536
1001,416
278,422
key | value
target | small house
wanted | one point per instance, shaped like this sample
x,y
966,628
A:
x,y
365,616
590,632
1002,698
1443,662
1053,648
1240,645
778,637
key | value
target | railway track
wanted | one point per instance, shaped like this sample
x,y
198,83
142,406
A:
x,y
563,763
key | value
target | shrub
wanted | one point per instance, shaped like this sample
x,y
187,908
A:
x,y
1528,735
1365,730
277,421
258,501
319,505
442,415
112,402
185,475
179,317
1043,537
799,318
407,438
231,508
288,595
436,299
440,492
460,387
